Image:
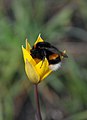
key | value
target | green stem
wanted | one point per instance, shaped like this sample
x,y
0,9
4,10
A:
x,y
38,113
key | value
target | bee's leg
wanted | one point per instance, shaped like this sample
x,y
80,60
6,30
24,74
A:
x,y
42,61
44,56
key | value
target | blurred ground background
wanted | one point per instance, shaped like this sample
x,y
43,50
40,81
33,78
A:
x,y
63,95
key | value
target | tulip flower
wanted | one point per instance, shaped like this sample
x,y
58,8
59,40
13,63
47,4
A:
x,y
35,70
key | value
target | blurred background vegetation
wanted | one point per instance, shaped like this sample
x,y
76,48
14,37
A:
x,y
63,95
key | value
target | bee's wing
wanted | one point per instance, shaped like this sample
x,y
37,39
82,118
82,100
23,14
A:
x,y
57,51
54,50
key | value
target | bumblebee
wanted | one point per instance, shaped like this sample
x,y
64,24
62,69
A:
x,y
43,50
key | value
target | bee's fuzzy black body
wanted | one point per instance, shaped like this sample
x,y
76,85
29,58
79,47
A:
x,y
43,50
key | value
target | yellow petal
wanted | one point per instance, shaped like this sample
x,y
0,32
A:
x,y
47,73
27,56
31,72
28,47
42,68
39,39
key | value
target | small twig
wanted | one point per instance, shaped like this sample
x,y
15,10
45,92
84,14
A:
x,y
38,113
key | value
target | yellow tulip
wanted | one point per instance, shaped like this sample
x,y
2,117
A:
x,y
36,71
